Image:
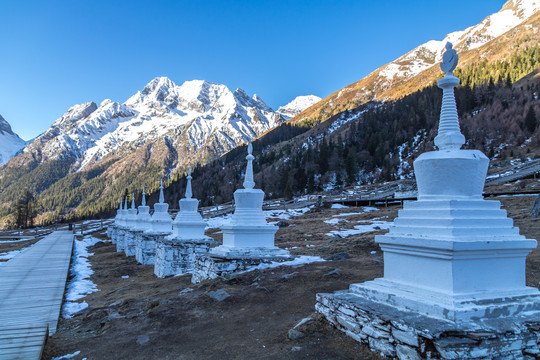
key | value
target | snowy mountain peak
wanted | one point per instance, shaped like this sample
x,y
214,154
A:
x,y
298,105
5,128
75,113
198,115
10,143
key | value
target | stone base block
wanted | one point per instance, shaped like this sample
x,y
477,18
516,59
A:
x,y
409,335
130,240
120,239
177,256
145,250
212,266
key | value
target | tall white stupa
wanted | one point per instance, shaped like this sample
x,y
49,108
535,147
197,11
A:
x,y
248,239
454,264
175,254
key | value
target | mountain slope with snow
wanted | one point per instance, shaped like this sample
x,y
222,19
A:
x,y
298,105
418,67
199,119
10,143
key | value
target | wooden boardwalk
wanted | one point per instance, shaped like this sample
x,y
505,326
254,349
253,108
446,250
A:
x,y
31,290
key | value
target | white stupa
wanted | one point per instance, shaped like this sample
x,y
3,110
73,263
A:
x,y
131,219
117,218
122,230
143,217
188,223
248,234
176,253
161,220
454,265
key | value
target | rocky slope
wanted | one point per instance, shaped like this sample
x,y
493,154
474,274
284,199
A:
x,y
10,143
516,21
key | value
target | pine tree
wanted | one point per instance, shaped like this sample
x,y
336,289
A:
x,y
530,120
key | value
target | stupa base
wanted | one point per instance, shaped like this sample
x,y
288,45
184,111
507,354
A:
x,y
177,256
145,250
130,242
224,261
120,239
406,334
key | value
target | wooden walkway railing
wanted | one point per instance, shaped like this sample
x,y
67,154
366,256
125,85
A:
x,y
32,286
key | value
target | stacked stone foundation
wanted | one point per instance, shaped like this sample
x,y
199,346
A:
x,y
212,267
130,242
406,335
145,248
120,239
177,256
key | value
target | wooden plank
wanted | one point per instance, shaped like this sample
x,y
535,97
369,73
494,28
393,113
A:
x,y
32,287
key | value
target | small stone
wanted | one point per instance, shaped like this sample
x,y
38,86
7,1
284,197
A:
x,y
336,238
405,352
338,256
304,321
218,295
185,291
142,339
336,272
296,348
295,334
287,277
323,249
535,212
282,224
405,337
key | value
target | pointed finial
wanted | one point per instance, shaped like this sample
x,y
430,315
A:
x,y
161,197
125,204
189,194
120,206
133,200
143,202
248,180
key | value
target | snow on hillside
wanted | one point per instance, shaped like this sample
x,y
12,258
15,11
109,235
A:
x,y
10,143
199,111
298,105
426,55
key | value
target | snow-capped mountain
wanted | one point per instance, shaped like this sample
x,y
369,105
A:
x,y
10,143
426,55
299,104
198,119
418,67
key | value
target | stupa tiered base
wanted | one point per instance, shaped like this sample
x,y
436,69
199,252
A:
x,y
112,231
177,256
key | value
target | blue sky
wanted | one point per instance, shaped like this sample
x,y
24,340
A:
x,y
55,54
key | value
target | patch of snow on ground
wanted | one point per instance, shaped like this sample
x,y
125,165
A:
x,y
218,221
300,260
334,221
68,356
14,240
286,214
370,209
339,206
11,254
346,214
362,228
80,285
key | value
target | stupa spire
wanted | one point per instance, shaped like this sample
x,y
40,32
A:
x,y
248,180
126,204
133,200
449,135
161,197
143,201
189,193
120,206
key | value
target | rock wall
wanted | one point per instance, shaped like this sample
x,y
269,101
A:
x,y
392,335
